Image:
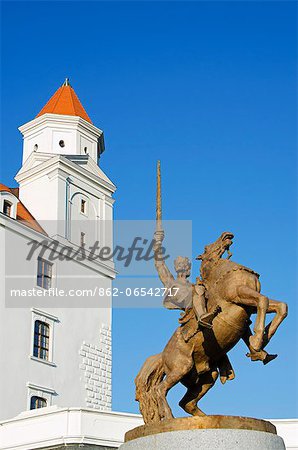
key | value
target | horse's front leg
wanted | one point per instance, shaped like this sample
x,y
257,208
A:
x,y
261,355
281,311
249,297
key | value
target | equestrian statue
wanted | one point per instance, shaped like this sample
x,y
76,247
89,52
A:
x,y
216,313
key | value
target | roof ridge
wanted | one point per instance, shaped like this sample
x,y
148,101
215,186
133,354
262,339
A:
x,y
58,96
72,98
76,101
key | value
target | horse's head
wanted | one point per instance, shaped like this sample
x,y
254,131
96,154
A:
x,y
214,252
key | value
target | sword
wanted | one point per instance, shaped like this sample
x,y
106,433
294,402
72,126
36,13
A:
x,y
158,199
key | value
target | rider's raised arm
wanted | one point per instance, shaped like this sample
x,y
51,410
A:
x,y
163,272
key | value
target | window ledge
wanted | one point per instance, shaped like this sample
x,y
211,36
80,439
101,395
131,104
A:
x,y
44,314
43,361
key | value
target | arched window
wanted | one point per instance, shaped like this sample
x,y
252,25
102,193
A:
x,y
41,340
7,208
83,206
37,402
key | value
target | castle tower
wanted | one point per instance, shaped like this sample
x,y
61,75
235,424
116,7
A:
x,y
56,349
60,180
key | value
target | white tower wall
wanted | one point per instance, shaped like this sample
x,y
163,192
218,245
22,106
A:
x,y
53,181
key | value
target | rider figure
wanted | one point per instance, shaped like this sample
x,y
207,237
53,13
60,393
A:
x,y
186,295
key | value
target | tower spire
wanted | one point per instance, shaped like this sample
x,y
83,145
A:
x,y
66,102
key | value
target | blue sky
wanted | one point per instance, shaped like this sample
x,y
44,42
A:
x,y
210,89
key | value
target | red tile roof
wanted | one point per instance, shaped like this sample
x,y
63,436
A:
x,y
66,102
4,188
23,215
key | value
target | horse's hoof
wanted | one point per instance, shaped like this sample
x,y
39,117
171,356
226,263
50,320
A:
x,y
269,358
257,356
199,414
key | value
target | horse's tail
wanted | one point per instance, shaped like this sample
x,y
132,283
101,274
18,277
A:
x,y
150,375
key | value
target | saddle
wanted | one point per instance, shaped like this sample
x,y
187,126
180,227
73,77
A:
x,y
189,324
189,327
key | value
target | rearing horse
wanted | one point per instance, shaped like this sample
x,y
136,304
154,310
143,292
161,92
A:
x,y
197,362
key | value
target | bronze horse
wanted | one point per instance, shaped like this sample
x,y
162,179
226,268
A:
x,y
197,362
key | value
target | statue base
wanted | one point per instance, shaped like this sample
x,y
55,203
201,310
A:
x,y
205,433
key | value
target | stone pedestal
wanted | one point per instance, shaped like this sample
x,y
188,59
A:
x,y
205,433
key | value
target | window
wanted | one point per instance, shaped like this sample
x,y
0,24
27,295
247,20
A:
x,y
83,206
37,402
41,340
62,143
44,274
83,239
85,150
7,208
39,396
35,147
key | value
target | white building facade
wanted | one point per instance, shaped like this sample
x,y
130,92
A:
x,y
56,350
